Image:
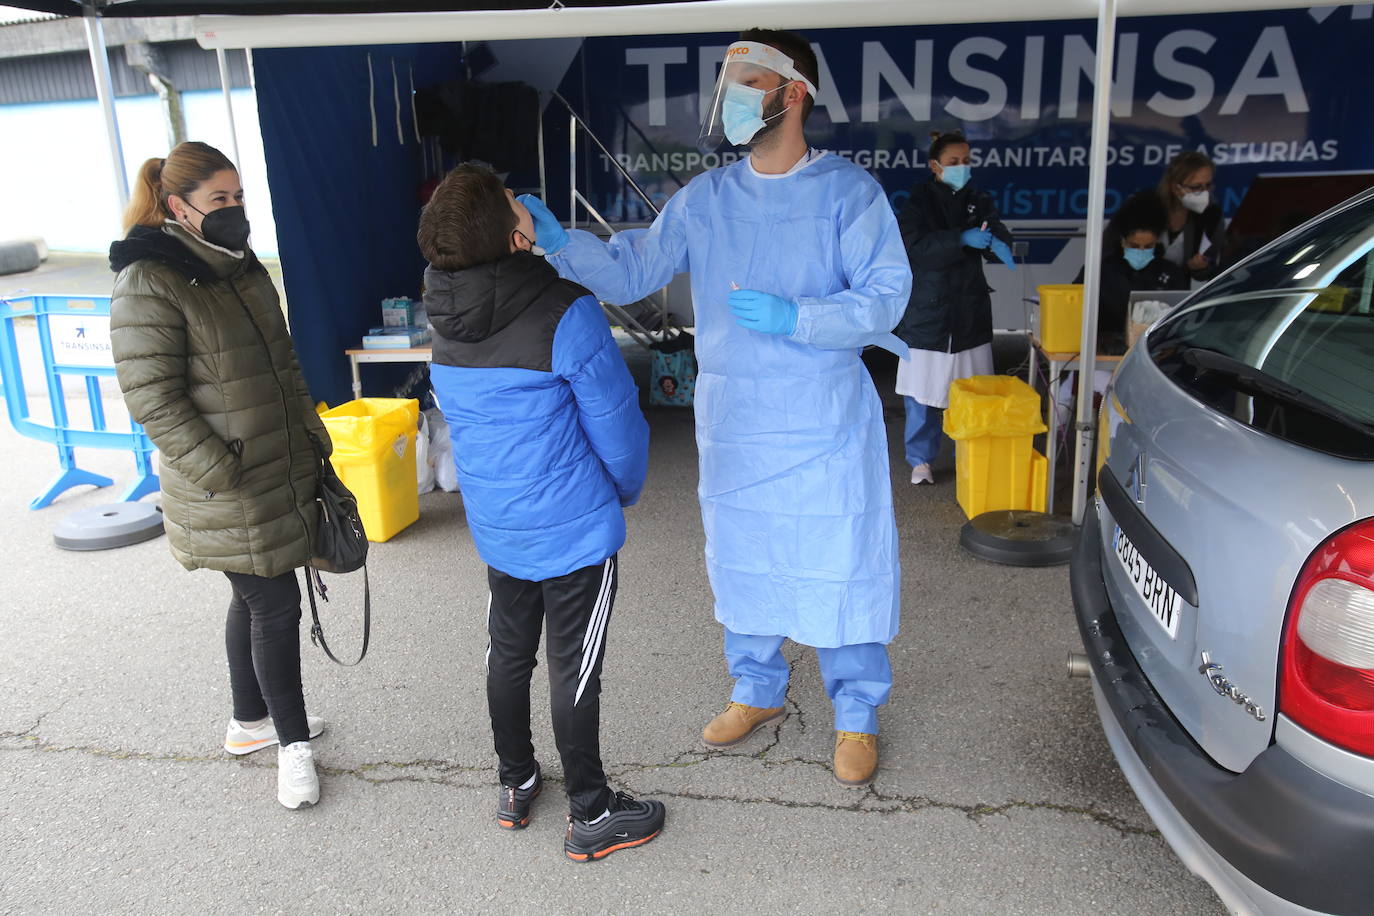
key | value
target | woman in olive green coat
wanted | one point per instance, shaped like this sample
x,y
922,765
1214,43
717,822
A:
x,y
207,367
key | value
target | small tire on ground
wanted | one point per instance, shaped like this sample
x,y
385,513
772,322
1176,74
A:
x,y
17,257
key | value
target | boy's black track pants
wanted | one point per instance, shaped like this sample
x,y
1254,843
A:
x,y
577,610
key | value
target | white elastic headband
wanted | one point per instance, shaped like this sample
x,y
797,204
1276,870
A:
x,y
762,55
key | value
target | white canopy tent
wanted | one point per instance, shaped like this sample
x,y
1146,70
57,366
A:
x,y
219,33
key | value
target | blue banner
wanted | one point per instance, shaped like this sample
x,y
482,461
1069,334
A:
x,y
1274,91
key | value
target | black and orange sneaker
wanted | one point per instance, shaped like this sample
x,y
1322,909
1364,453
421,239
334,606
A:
x,y
513,808
627,823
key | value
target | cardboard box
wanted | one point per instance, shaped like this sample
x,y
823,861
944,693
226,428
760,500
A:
x,y
399,313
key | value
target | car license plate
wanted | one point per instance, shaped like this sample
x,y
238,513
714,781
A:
x,y
1164,603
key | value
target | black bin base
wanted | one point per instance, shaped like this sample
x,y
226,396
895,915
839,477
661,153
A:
x,y
1019,537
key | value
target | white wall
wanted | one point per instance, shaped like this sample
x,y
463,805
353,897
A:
x,y
55,178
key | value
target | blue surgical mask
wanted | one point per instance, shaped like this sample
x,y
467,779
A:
x,y
956,176
741,112
1139,258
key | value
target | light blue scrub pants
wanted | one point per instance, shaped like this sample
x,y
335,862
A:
x,y
857,678
923,427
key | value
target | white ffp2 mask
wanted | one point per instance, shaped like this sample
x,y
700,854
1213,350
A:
x,y
1196,201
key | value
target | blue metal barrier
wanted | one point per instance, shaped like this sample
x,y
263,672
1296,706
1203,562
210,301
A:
x,y
73,335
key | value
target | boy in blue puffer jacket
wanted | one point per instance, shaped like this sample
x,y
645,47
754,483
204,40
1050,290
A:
x,y
550,446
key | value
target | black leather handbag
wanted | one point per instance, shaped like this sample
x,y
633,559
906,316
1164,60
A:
x,y
340,547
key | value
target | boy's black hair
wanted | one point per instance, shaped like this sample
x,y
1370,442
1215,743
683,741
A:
x,y
468,220
796,47
940,141
1142,210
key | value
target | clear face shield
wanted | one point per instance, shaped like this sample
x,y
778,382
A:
x,y
747,94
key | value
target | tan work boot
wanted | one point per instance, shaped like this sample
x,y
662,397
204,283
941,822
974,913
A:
x,y
856,758
737,723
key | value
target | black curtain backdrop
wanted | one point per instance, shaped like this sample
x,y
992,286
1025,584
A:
x,y
346,210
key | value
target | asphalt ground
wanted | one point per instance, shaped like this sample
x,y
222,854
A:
x,y
996,794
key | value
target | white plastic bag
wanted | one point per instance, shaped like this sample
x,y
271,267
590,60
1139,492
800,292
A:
x,y
424,468
1144,314
441,452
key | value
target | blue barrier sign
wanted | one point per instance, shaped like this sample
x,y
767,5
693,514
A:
x,y
74,339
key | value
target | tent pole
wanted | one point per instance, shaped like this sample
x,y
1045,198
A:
x,y
223,62
104,93
572,172
543,178
1092,257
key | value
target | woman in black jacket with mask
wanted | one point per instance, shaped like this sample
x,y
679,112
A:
x,y
950,228
1132,260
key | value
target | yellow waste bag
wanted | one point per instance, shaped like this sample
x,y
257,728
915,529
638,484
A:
x,y
992,405
374,455
361,429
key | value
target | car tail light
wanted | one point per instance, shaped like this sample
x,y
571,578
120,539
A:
x,y
1327,685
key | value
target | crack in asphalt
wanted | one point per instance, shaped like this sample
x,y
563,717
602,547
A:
x,y
872,800
24,733
901,804
37,723
450,773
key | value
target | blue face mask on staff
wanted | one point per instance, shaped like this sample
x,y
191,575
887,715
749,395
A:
x,y
956,176
1139,258
741,112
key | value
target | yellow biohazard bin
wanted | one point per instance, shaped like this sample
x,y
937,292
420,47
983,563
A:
x,y
992,420
1061,317
374,455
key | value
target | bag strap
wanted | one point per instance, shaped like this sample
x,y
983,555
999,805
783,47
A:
x,y
321,459
313,581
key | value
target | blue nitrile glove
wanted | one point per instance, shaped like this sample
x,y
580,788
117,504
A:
x,y
549,234
1003,252
975,238
763,312
892,344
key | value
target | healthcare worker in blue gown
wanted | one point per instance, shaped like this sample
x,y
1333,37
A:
x,y
796,264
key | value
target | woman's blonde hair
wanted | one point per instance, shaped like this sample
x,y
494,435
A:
x,y
1178,170
185,167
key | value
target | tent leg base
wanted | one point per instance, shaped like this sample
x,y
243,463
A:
x,y
1018,537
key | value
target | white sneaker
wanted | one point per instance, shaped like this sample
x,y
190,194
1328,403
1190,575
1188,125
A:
x,y
921,474
297,782
239,739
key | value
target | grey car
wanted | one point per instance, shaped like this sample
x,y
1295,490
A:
x,y
1224,578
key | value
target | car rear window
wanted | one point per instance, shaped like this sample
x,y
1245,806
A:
x,y
1295,362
